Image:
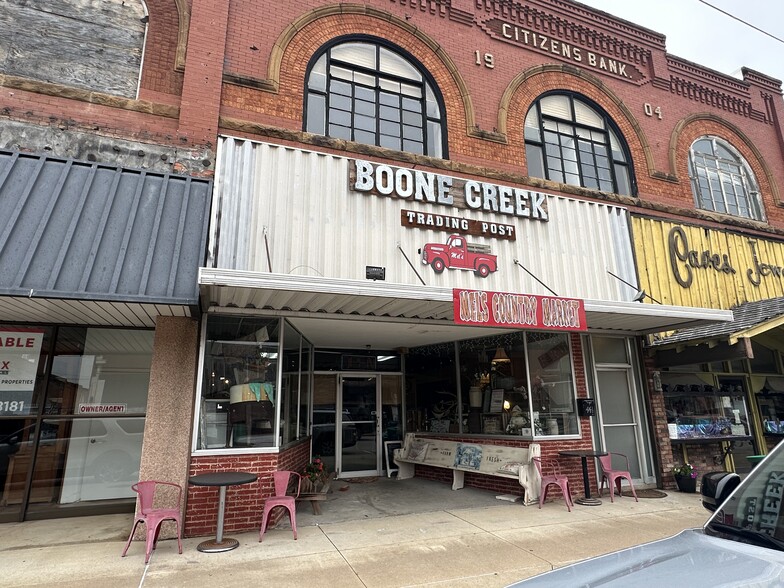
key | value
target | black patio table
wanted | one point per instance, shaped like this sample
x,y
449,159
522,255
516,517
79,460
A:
x,y
584,454
222,480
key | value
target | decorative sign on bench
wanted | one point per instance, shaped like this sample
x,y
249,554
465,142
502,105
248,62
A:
x,y
492,460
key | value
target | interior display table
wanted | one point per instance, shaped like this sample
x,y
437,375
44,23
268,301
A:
x,y
584,454
222,480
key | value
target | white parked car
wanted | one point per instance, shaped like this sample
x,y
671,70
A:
x,y
741,544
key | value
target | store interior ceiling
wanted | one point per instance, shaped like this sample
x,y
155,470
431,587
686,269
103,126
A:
x,y
383,335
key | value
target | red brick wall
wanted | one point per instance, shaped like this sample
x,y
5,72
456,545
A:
x,y
245,503
277,50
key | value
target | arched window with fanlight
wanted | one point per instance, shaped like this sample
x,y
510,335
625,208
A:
x,y
722,181
571,140
367,90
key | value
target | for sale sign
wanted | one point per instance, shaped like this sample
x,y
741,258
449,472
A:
x,y
20,350
523,311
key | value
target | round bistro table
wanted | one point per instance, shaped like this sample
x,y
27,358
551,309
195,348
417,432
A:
x,y
584,454
222,480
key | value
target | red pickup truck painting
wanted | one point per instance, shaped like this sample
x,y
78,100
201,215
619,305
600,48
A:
x,y
457,253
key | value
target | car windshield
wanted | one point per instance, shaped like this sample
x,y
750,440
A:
x,y
753,513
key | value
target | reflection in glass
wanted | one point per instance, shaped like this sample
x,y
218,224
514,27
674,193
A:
x,y
239,393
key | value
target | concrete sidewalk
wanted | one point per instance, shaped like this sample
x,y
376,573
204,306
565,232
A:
x,y
385,533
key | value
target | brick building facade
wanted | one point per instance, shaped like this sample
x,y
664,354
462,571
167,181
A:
x,y
228,95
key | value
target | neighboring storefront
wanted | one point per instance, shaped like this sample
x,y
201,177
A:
x,y
413,302
719,388
108,252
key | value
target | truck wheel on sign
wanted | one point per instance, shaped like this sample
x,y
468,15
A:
x,y
483,270
438,265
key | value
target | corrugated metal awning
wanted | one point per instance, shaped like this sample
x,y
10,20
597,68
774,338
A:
x,y
318,299
750,319
88,243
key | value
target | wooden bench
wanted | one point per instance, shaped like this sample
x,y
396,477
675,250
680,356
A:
x,y
512,463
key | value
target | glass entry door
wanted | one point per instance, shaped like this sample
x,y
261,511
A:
x,y
358,420
619,416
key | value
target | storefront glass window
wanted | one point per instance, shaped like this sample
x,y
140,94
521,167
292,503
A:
x,y
23,356
698,409
243,396
431,390
610,350
770,400
84,444
239,379
294,388
519,384
764,360
553,396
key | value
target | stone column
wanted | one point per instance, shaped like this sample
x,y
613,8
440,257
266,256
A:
x,y
170,404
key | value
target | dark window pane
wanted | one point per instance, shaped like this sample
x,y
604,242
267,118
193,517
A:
x,y
315,122
412,133
590,183
553,150
412,118
367,94
340,102
339,117
339,132
533,157
389,128
365,108
389,99
337,87
622,179
412,105
389,142
365,137
365,123
434,147
413,147
388,113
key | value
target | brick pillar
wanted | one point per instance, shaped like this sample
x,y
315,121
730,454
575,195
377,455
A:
x,y
201,88
167,432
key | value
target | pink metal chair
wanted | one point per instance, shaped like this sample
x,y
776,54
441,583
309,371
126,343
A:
x,y
614,477
553,476
152,517
282,480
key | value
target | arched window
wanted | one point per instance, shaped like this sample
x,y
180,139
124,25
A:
x,y
721,180
365,91
571,140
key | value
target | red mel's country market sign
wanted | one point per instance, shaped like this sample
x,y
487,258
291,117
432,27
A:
x,y
524,311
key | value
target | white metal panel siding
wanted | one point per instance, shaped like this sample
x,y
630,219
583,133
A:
x,y
316,226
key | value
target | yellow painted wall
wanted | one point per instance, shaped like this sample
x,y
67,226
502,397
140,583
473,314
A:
x,y
710,288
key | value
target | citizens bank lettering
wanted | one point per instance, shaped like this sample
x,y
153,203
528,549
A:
x,y
517,35
435,189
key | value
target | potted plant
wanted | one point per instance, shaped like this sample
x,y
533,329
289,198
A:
x,y
686,477
315,477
